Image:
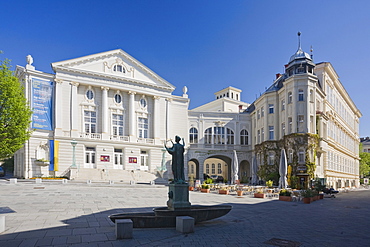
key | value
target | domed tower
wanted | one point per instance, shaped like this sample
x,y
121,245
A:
x,y
300,62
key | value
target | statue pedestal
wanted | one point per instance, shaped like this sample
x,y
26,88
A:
x,y
178,196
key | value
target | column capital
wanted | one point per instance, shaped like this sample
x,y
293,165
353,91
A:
x,y
75,83
59,81
104,88
155,97
169,99
131,92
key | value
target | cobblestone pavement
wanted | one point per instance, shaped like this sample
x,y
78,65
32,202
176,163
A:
x,y
76,214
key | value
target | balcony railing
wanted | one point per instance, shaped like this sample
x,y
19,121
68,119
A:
x,y
119,138
220,146
94,136
145,140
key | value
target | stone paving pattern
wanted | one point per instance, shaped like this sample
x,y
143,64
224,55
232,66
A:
x,y
76,214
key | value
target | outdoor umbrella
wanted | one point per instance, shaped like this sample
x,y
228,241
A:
x,y
283,167
235,169
254,171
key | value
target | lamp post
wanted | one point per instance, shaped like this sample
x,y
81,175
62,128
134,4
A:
x,y
74,143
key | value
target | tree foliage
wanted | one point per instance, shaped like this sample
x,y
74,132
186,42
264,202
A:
x,y
364,164
15,113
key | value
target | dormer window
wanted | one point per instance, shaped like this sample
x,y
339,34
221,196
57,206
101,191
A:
x,y
119,68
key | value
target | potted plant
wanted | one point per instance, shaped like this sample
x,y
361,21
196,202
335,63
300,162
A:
x,y
42,162
269,183
239,191
259,194
223,191
307,196
205,188
191,183
285,195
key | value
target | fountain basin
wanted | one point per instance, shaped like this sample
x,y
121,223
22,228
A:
x,y
163,217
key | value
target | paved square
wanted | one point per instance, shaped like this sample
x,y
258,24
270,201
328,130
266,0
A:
x,y
76,214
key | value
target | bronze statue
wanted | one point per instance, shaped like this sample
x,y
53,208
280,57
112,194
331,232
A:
x,y
177,152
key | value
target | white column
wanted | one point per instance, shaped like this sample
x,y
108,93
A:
x,y
74,110
105,112
132,114
58,107
168,113
155,117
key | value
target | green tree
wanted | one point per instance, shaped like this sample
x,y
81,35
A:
x,y
15,113
364,164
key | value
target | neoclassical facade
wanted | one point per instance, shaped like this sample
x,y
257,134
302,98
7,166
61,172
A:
x,y
109,113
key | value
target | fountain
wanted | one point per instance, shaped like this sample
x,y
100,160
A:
x,y
178,200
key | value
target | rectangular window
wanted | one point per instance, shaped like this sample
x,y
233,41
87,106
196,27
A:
x,y
271,158
271,132
143,127
290,97
300,95
258,114
301,158
117,124
283,105
258,136
262,111
262,134
283,129
90,121
143,159
290,125
301,123
271,108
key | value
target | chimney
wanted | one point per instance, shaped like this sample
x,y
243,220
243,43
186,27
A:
x,y
278,75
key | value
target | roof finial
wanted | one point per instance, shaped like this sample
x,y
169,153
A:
x,y
311,50
299,40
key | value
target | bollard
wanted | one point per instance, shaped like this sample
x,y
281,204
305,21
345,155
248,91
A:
x,y
2,223
64,181
124,228
132,182
88,181
152,182
13,180
111,182
184,224
38,180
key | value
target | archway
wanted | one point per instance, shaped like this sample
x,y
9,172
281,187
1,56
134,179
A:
x,y
217,166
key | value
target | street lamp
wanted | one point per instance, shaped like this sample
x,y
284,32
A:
x,y
74,143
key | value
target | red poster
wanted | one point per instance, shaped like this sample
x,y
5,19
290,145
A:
x,y
132,160
104,158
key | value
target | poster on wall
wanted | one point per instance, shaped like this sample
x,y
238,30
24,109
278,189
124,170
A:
x,y
132,160
41,105
104,158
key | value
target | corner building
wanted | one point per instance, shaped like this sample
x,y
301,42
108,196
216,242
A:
x,y
121,113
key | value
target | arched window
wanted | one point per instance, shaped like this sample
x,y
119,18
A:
x,y
213,168
208,136
219,135
193,135
219,168
244,137
119,68
230,136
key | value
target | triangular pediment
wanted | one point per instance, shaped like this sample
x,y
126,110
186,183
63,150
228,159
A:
x,y
115,64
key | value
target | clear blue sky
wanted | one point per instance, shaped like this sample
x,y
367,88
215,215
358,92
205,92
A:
x,y
204,45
